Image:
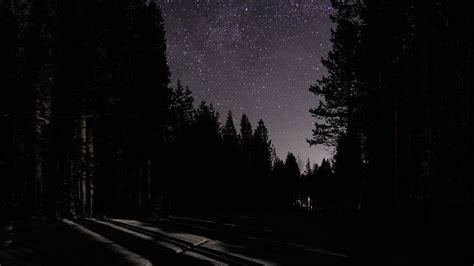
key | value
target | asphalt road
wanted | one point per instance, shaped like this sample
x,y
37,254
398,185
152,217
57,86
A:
x,y
228,239
262,238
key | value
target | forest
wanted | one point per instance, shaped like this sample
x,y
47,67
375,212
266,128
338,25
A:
x,y
398,102
91,124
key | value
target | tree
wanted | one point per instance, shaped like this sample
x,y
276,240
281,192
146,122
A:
x,y
246,138
292,179
178,139
308,171
340,114
205,149
307,180
133,103
348,168
90,84
325,188
312,184
9,107
384,101
231,162
229,133
339,93
262,149
277,187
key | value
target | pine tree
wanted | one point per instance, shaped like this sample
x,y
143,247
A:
x,y
246,136
339,92
246,140
133,100
207,124
178,138
306,182
348,168
308,171
11,182
89,75
326,190
292,178
231,162
312,182
8,49
207,159
181,109
342,92
229,133
262,149
277,187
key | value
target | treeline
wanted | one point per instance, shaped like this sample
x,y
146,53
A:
x,y
90,124
397,103
214,167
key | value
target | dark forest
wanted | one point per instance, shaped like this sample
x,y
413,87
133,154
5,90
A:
x,y
94,133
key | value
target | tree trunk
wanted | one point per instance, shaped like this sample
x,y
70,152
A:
x,y
83,166
90,171
148,184
38,158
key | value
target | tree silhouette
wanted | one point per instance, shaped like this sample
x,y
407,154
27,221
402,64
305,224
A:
x,y
246,138
178,138
395,104
278,188
308,171
262,149
77,64
292,178
348,169
231,159
246,143
339,92
325,187
229,133
340,114
10,108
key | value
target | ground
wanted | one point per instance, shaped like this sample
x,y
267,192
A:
x,y
245,238
269,238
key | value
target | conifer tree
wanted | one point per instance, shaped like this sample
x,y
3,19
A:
x,y
229,133
341,110
262,149
339,93
246,137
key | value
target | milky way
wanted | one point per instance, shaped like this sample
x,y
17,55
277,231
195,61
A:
x,y
257,57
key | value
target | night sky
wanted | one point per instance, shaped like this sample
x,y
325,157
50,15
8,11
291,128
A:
x,y
257,57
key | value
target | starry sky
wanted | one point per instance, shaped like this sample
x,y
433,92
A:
x,y
257,57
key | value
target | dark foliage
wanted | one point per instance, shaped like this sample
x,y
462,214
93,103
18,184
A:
x,y
91,126
397,105
397,101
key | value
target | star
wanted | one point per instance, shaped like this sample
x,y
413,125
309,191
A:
x,y
264,55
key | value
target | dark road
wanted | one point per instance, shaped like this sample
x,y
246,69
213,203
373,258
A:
x,y
217,240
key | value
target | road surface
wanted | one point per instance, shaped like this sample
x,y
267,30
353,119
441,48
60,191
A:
x,y
229,239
